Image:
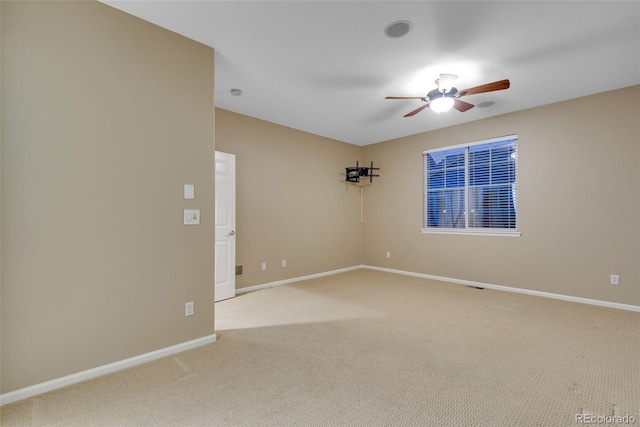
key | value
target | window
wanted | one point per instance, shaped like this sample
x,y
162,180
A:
x,y
472,188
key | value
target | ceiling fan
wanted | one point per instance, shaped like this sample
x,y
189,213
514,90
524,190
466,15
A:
x,y
445,96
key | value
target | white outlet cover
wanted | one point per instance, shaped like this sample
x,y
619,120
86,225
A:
x,y
188,309
189,191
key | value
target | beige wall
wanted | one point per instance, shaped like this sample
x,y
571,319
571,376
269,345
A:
x,y
579,202
104,118
291,203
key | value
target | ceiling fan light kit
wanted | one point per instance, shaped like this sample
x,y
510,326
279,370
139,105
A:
x,y
442,105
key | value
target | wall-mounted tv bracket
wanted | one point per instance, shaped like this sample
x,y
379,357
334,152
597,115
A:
x,y
353,174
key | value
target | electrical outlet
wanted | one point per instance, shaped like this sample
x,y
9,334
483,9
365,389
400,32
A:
x,y
284,262
388,254
264,266
615,279
188,308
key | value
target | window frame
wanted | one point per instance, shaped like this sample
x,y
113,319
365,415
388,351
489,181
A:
x,y
467,230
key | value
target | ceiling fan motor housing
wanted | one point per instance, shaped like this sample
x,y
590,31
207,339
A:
x,y
437,94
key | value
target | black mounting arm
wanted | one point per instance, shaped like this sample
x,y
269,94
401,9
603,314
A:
x,y
353,173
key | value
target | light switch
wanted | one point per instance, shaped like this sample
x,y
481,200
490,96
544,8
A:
x,y
191,216
189,191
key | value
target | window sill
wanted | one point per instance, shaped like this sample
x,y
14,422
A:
x,y
474,232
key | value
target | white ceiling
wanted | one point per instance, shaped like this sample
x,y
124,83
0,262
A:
x,y
325,67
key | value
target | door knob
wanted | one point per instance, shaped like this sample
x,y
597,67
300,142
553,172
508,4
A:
x,y
232,233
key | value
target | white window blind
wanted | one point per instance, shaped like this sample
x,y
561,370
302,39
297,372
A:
x,y
472,187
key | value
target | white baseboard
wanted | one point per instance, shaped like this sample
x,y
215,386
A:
x,y
609,304
34,390
296,279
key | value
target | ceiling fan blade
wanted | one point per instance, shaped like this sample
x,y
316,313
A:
x,y
489,87
416,111
404,97
462,106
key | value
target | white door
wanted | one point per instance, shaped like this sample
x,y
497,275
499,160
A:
x,y
225,286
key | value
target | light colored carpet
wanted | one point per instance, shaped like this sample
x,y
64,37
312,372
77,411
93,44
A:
x,y
368,348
